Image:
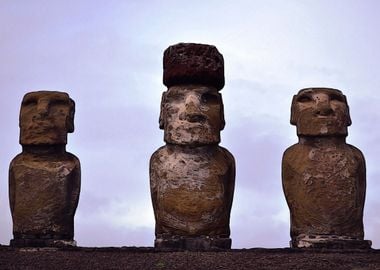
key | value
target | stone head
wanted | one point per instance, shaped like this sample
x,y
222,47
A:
x,y
192,108
320,112
46,117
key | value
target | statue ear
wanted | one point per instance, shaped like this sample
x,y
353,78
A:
x,y
161,120
293,111
349,122
70,117
221,113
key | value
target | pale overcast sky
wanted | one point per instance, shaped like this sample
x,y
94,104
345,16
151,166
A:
x,y
108,56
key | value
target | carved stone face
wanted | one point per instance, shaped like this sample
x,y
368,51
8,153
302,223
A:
x,y
192,115
320,112
45,118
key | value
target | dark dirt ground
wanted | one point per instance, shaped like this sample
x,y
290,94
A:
x,y
148,258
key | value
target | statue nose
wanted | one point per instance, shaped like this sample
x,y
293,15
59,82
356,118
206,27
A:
x,y
192,104
43,108
192,110
324,109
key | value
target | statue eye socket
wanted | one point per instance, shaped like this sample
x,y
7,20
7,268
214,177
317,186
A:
x,y
336,97
304,98
209,98
58,102
174,96
29,102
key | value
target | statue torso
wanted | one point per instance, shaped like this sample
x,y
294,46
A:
x,y
325,189
193,191
45,193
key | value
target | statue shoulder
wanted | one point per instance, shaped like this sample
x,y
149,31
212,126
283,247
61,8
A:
x,y
357,153
291,151
16,159
73,157
227,154
158,154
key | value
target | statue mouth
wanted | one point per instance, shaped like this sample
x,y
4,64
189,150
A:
x,y
40,127
326,116
196,118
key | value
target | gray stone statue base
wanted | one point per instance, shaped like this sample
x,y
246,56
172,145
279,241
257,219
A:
x,y
33,242
192,243
329,241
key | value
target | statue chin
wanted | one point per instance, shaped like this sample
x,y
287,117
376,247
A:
x,y
47,139
323,131
193,139
320,127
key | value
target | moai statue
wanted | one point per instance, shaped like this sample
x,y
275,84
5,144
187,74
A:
x,y
323,177
44,180
192,178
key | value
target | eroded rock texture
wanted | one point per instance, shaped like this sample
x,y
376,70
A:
x,y
192,178
323,177
44,180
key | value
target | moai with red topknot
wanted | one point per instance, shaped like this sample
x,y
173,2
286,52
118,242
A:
x,y
192,178
44,180
323,177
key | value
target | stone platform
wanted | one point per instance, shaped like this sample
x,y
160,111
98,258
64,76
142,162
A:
x,y
148,258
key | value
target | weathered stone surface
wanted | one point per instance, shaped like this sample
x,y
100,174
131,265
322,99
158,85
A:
x,y
46,117
192,191
191,63
44,180
192,115
324,177
143,258
192,178
320,112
